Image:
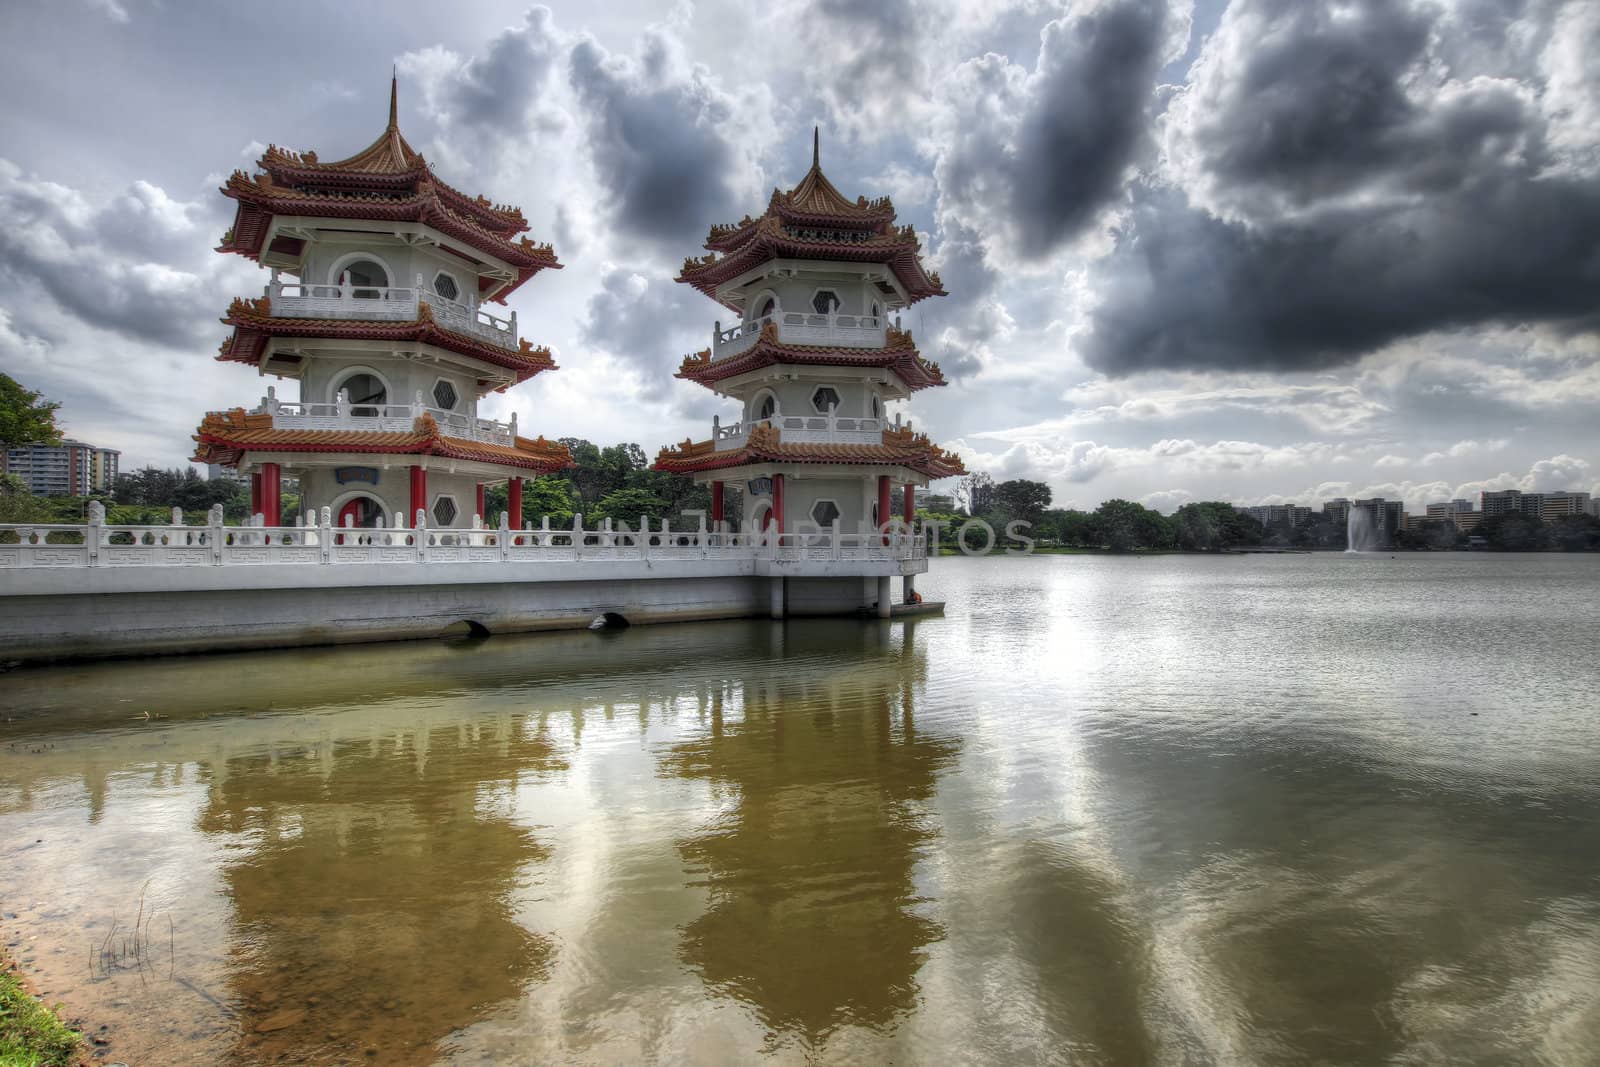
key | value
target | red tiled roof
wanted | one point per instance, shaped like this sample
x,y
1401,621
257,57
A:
x,y
223,436
899,355
770,237
254,325
388,180
814,221
900,448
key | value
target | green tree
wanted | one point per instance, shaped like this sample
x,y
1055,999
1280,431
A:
x,y
18,504
25,416
1574,533
1126,526
629,506
1212,526
1022,499
1513,532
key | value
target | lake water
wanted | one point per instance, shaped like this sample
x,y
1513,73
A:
x,y
1183,810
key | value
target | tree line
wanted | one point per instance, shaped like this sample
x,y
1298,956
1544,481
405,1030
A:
x,y
1115,526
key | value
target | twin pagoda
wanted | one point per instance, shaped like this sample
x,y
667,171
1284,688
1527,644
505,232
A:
x,y
382,304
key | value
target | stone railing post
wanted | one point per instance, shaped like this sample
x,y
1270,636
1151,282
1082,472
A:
x,y
543,540
325,533
420,534
577,536
92,534
214,533
505,535
644,537
834,534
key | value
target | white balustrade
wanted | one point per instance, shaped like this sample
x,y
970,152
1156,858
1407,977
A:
x,y
96,544
301,300
803,328
829,429
385,418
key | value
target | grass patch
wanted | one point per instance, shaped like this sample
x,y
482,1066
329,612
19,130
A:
x,y
30,1033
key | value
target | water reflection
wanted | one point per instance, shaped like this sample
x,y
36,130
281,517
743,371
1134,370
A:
x,y
1108,811
372,889
814,918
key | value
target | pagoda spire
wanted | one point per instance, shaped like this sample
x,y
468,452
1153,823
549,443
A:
x,y
394,99
816,147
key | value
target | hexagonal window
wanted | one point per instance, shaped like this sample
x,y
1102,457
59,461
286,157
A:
x,y
823,512
444,395
825,399
825,301
444,510
445,286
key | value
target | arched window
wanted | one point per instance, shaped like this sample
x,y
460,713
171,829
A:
x,y
368,278
768,407
768,307
877,407
367,394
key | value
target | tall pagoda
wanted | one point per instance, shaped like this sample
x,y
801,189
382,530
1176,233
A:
x,y
814,356
378,305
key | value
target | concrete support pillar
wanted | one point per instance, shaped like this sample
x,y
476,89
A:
x,y
514,502
272,494
716,502
419,491
908,588
910,513
480,514
883,597
777,502
775,591
885,505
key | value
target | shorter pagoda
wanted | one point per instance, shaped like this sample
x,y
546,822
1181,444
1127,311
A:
x,y
382,276
813,359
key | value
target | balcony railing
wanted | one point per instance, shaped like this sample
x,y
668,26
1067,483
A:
x,y
803,328
829,429
299,300
96,544
384,418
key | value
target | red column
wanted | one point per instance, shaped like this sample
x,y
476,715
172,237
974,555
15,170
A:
x,y
911,504
885,506
419,494
271,493
716,502
514,503
480,502
777,501
255,494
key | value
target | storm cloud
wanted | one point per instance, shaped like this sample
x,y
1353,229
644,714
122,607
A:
x,y
1333,187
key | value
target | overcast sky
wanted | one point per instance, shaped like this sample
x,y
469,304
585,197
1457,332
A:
x,y
1255,250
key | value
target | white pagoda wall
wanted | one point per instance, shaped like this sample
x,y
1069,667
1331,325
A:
x,y
319,488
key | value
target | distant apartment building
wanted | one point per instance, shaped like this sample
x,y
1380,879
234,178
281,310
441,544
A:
x,y
1547,506
1292,515
1337,510
71,468
1460,512
1508,501
1559,505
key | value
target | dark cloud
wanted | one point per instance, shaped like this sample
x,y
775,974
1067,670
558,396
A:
x,y
1343,192
1040,155
648,322
1312,102
494,90
656,139
113,265
876,70
1185,289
